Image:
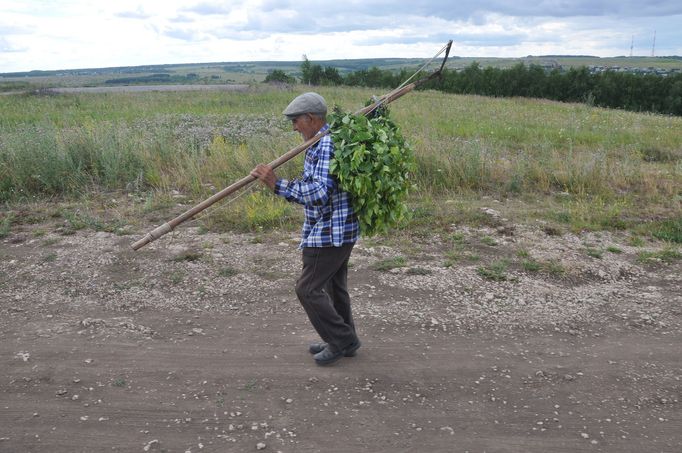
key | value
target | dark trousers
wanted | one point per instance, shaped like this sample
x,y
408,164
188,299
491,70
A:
x,y
322,290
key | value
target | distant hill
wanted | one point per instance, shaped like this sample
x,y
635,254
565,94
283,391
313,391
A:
x,y
245,66
255,71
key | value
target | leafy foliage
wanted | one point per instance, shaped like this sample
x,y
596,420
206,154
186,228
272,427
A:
x,y
669,230
373,163
315,74
278,75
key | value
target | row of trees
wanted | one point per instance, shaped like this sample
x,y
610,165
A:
x,y
623,90
629,91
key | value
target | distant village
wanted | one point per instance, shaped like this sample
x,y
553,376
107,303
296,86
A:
x,y
597,69
650,70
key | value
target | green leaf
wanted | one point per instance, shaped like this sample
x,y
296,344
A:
x,y
372,162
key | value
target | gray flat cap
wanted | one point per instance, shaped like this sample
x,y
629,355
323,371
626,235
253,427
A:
x,y
306,103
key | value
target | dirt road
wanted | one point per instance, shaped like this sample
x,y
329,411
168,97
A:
x,y
196,343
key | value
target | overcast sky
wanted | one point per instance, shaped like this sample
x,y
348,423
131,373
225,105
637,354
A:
x,y
67,34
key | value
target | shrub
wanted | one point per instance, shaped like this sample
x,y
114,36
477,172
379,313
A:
x,y
277,75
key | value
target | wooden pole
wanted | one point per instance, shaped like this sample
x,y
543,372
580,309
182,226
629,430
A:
x,y
171,224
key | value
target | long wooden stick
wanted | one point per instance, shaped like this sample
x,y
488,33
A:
x,y
170,225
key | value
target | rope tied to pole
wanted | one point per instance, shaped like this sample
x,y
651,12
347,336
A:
x,y
446,48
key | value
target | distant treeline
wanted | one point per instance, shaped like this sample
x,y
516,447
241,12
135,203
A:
x,y
611,89
163,78
157,78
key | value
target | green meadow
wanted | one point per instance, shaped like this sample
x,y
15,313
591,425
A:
x,y
570,166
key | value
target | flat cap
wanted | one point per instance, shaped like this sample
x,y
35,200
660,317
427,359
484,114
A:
x,y
306,103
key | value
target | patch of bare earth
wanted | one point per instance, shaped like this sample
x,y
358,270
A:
x,y
197,343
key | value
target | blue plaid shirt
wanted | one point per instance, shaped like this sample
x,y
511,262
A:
x,y
330,220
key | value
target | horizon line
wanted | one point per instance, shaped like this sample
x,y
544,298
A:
x,y
333,59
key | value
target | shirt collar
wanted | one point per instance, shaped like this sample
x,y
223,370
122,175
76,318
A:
x,y
321,131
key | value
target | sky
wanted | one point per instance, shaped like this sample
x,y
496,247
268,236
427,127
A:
x,y
71,34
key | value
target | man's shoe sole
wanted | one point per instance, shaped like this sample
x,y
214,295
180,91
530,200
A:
x,y
332,359
316,348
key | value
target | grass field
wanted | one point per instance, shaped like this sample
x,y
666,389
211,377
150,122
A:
x,y
570,166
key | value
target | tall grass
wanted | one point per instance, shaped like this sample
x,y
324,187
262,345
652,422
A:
x,y
195,142
183,152
520,145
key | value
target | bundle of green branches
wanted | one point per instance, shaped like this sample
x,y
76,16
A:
x,y
373,163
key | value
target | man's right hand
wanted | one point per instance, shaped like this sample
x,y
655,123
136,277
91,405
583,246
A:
x,y
265,174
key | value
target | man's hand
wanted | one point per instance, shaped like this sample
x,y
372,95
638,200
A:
x,y
266,175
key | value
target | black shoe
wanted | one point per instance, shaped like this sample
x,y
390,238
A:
x,y
315,348
328,356
318,347
352,348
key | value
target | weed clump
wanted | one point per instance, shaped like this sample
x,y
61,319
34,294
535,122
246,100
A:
x,y
496,271
669,230
389,263
654,154
188,255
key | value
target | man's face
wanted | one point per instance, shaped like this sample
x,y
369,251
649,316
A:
x,y
305,125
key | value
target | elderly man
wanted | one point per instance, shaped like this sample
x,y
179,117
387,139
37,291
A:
x,y
329,233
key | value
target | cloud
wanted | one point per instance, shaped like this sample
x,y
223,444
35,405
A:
x,y
237,35
181,19
190,35
208,9
412,39
464,10
6,47
300,16
182,34
500,40
137,14
40,34
7,30
587,8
